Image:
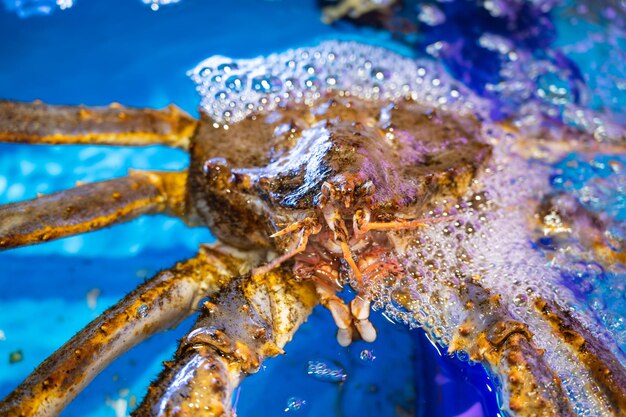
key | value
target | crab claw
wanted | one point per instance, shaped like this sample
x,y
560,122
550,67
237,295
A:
x,y
360,308
352,322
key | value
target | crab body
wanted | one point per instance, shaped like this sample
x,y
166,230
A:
x,y
390,160
331,171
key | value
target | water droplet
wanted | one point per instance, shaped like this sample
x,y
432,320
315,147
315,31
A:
x,y
142,311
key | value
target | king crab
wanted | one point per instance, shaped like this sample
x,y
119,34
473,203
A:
x,y
306,196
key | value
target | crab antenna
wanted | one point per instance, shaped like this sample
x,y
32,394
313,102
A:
x,y
39,123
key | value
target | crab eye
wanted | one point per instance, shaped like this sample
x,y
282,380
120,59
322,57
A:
x,y
347,188
327,189
214,166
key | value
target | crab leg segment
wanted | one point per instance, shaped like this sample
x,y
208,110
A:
x,y
338,226
506,347
251,320
605,368
92,206
307,228
40,123
339,310
360,308
160,303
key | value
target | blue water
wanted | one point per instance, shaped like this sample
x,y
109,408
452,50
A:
x,y
98,52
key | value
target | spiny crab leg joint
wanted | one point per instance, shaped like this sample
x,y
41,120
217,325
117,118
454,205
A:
x,y
340,246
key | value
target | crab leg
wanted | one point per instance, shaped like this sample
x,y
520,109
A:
x,y
605,368
92,206
41,123
530,385
251,320
158,304
505,346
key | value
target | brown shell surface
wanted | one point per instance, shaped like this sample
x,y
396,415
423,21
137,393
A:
x,y
268,169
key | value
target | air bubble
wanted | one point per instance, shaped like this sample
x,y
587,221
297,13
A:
x,y
205,72
354,68
331,81
227,67
325,372
615,237
265,84
367,355
294,404
235,83
520,299
312,83
309,69
292,83
380,74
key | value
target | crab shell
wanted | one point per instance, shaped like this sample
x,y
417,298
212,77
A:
x,y
251,179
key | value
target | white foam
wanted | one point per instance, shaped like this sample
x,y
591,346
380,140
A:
x,y
233,89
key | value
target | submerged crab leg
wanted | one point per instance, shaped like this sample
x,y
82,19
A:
x,y
37,122
92,206
251,320
158,304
